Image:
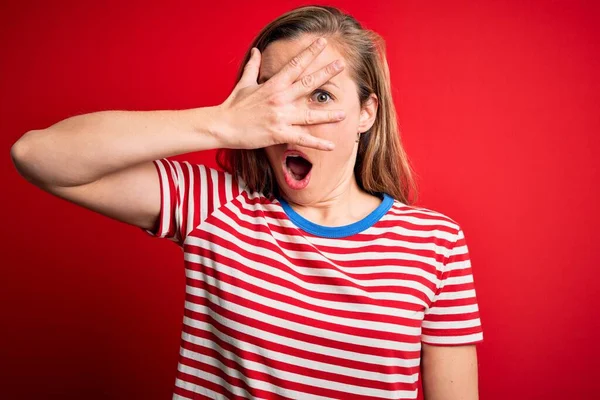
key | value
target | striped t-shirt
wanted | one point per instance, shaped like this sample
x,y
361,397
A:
x,y
278,307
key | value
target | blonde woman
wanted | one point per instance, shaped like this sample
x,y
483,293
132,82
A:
x,y
308,273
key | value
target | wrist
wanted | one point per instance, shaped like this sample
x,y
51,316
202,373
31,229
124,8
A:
x,y
211,123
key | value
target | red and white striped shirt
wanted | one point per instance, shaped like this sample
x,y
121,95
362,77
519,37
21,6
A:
x,y
278,307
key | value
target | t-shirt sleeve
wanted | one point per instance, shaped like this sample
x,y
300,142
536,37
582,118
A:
x,y
453,316
189,193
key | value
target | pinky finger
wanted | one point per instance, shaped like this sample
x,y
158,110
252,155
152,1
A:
x,y
307,140
313,117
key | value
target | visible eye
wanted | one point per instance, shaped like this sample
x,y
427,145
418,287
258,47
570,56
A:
x,y
321,96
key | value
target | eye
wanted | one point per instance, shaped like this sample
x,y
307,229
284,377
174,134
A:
x,y
321,96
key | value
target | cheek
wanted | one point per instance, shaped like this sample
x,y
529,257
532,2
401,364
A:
x,y
344,135
337,132
273,156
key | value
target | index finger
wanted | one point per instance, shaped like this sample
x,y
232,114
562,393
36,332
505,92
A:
x,y
294,68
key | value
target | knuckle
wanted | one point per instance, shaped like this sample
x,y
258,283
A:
x,y
330,70
276,100
295,62
301,140
308,81
274,117
309,117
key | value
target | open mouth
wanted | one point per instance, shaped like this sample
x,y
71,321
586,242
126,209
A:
x,y
298,166
297,169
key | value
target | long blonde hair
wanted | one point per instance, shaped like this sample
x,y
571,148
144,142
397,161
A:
x,y
382,165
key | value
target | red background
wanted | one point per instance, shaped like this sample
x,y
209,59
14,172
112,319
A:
x,y
499,106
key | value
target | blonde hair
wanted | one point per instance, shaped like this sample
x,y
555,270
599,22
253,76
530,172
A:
x,y
382,165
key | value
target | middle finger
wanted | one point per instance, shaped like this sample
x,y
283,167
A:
x,y
310,82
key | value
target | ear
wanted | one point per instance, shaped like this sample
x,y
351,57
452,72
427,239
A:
x,y
368,113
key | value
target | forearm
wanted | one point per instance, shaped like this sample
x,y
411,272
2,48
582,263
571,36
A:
x,y
84,148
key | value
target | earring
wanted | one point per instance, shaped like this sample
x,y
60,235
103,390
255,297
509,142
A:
x,y
358,138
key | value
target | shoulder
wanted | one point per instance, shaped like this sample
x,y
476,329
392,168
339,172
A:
x,y
422,221
426,229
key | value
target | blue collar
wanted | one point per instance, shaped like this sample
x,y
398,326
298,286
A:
x,y
336,232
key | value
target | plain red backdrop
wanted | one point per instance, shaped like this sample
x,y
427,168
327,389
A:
x,y
498,103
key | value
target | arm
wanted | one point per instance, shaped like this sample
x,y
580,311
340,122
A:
x,y
449,372
451,328
103,160
84,148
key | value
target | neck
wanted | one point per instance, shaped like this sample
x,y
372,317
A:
x,y
346,204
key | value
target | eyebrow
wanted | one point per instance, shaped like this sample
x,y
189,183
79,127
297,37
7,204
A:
x,y
264,78
330,83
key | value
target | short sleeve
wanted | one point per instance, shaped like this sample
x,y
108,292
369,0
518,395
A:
x,y
189,193
453,316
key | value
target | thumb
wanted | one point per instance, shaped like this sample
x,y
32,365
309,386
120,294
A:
x,y
250,75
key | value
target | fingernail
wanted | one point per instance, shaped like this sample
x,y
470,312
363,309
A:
x,y
321,42
337,64
329,146
340,114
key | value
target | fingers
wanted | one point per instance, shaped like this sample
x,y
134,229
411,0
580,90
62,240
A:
x,y
308,83
290,73
307,140
251,69
312,117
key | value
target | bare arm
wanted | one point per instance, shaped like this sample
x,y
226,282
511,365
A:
x,y
82,149
103,160
450,372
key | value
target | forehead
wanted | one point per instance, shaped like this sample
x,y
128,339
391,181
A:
x,y
280,52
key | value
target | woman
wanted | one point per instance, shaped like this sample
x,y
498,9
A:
x,y
308,275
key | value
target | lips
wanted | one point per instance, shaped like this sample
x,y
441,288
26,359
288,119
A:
x,y
296,169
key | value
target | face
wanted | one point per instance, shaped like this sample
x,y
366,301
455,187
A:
x,y
328,173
